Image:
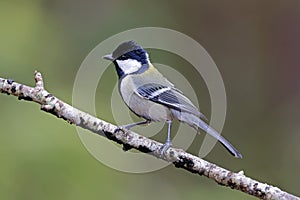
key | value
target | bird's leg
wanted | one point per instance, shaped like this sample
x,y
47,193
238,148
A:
x,y
167,144
129,126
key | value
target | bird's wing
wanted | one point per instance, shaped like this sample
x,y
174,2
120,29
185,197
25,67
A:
x,y
168,96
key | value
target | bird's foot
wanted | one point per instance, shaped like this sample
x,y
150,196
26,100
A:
x,y
165,147
120,128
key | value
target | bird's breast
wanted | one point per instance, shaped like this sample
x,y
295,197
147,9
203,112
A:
x,y
141,106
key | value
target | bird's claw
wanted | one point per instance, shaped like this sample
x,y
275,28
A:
x,y
120,128
165,147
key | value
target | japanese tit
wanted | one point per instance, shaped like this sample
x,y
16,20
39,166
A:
x,y
151,96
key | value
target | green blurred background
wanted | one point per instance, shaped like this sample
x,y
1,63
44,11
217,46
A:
x,y
254,43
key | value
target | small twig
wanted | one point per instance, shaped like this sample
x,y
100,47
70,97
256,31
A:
x,y
129,139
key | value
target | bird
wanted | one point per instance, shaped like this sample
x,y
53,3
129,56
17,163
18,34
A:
x,y
149,95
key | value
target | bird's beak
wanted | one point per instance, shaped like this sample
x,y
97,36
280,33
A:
x,y
108,57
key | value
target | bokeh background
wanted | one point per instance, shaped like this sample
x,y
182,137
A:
x,y
254,43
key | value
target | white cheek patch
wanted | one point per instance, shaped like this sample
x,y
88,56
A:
x,y
147,56
129,66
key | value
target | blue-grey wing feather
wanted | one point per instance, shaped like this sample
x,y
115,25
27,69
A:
x,y
170,97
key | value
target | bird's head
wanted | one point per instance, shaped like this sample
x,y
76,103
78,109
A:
x,y
128,58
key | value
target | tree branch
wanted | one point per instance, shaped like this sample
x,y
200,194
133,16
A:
x,y
129,139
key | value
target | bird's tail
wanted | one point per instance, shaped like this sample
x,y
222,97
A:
x,y
196,122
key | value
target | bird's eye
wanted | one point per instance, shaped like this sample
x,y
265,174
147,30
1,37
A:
x,y
123,57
